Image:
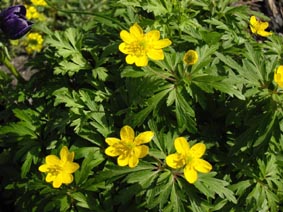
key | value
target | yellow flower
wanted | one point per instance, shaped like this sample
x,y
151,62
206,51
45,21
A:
x,y
139,46
33,42
259,27
59,171
190,57
32,13
190,158
278,76
129,148
39,2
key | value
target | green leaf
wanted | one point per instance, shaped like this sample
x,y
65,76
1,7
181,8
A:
x,y
129,71
185,114
175,199
210,186
241,187
208,82
152,105
144,178
100,73
158,7
26,165
92,159
63,95
81,198
115,172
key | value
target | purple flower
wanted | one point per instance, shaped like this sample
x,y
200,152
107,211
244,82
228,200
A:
x,y
13,22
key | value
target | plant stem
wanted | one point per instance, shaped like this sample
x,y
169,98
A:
x,y
12,68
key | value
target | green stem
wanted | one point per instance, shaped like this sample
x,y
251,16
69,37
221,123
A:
x,y
12,68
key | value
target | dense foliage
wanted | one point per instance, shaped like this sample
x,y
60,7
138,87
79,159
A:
x,y
226,102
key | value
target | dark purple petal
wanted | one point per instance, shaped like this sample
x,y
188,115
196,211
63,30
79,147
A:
x,y
13,22
18,10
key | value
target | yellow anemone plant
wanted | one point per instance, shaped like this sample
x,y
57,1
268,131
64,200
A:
x,y
189,158
129,148
139,46
59,170
258,27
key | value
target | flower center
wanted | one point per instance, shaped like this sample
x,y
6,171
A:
x,y
129,145
189,159
55,170
137,48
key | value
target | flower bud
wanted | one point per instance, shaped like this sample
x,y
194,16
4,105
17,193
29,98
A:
x,y
13,22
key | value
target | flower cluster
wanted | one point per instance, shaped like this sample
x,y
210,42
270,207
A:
x,y
130,149
59,171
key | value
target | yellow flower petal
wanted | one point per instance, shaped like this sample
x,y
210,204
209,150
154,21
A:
x,y
141,151
71,167
111,141
153,35
155,54
52,160
182,146
123,160
160,44
133,161
141,61
253,20
123,47
126,36
278,76
190,174
127,134
57,182
43,168
262,26
112,151
264,33
67,178
198,150
202,166
136,31
175,161
64,153
50,177
71,156
130,59
144,137
253,29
